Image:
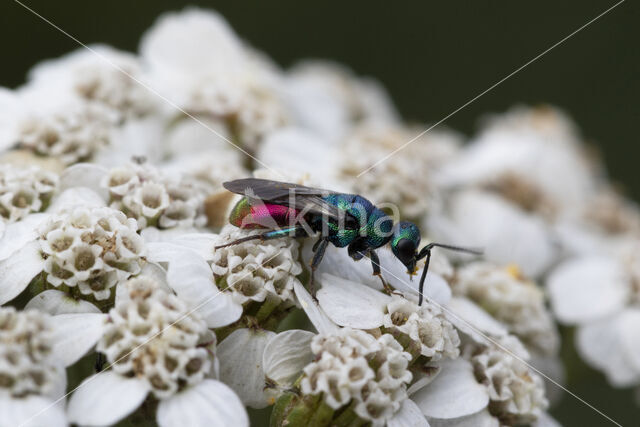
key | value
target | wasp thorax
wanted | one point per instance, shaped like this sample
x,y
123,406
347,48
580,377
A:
x,y
151,334
27,365
91,250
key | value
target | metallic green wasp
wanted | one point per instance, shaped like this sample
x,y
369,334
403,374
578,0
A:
x,y
344,220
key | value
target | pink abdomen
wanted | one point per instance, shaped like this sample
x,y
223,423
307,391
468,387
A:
x,y
257,214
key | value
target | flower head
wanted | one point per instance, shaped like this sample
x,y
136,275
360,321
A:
x,y
90,249
511,299
352,364
24,191
152,197
516,393
27,362
151,335
268,269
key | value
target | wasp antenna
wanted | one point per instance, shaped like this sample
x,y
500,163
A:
x,y
427,249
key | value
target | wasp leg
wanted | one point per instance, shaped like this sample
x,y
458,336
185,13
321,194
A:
x,y
424,276
297,231
375,263
319,248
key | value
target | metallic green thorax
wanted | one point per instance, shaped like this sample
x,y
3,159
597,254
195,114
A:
x,y
374,225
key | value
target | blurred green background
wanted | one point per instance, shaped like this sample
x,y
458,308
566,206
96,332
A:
x,y
433,57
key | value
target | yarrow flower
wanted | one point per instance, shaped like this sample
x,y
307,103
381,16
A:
x,y
90,250
35,349
516,393
342,372
113,214
237,86
153,344
24,190
154,198
72,132
255,272
512,299
412,193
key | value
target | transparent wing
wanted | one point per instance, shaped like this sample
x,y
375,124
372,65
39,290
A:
x,y
287,194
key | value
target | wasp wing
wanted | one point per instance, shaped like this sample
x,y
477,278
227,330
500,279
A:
x,y
287,194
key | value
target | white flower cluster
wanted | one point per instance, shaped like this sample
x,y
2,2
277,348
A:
x,y
153,336
409,190
132,239
425,325
253,271
237,85
27,365
511,299
24,190
516,393
155,198
91,250
72,133
352,364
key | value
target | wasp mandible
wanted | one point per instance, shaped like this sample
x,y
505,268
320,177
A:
x,y
344,220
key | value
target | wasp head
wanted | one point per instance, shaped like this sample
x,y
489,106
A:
x,y
404,244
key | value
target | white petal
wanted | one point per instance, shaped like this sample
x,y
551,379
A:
x,y
87,175
75,334
201,243
208,403
508,235
54,302
31,411
77,196
395,273
18,270
306,154
105,399
191,278
156,272
18,234
435,290
336,261
240,356
587,288
472,320
422,379
351,304
600,344
479,419
409,415
316,316
286,354
453,393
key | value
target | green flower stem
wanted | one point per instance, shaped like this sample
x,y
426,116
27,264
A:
x,y
322,415
302,412
281,408
266,308
348,417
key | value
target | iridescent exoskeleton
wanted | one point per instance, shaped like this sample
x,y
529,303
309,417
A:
x,y
344,220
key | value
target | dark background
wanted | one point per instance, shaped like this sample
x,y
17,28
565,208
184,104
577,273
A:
x,y
433,57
